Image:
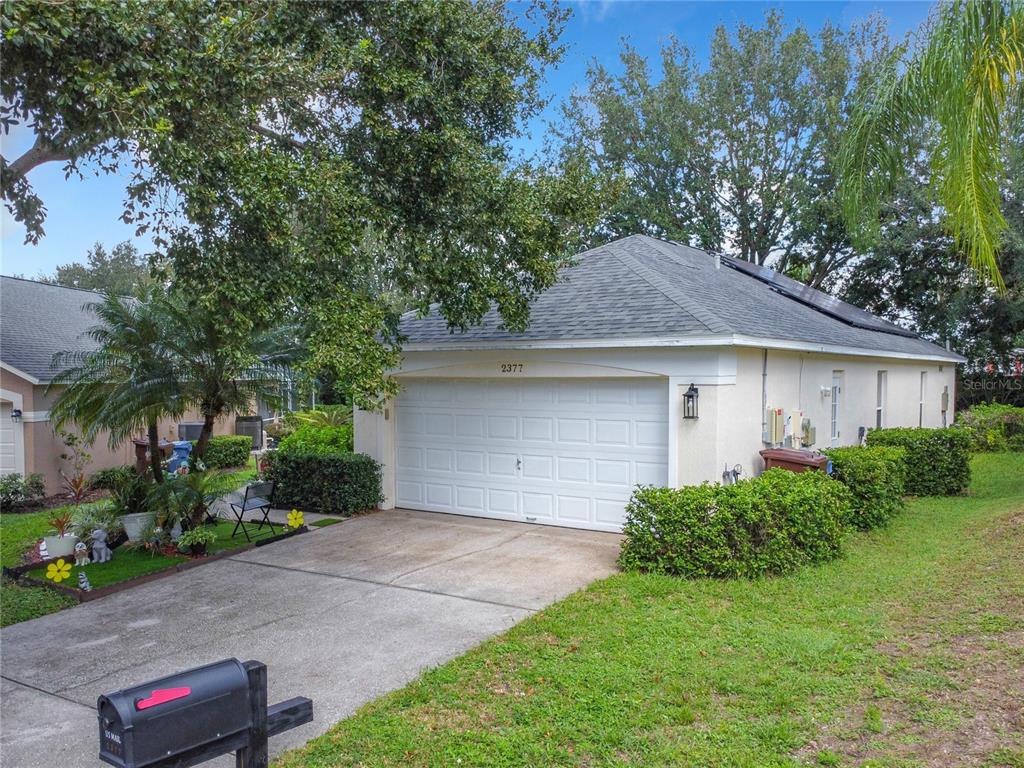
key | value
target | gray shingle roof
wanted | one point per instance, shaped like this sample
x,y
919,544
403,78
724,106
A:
x,y
38,320
640,287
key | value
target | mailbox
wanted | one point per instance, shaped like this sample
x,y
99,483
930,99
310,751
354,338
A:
x,y
174,715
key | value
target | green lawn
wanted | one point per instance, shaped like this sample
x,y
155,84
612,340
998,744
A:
x,y
905,653
19,531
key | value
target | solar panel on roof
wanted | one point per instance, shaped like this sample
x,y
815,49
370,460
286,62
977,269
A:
x,y
822,302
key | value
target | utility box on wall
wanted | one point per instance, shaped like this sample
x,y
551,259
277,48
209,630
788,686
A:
x,y
775,426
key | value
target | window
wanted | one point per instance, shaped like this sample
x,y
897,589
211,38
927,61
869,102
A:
x,y
920,403
837,392
880,400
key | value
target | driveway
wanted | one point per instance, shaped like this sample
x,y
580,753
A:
x,y
342,615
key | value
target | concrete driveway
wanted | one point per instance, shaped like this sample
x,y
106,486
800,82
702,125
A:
x,y
342,615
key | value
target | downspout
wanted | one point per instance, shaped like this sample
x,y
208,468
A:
x,y
764,395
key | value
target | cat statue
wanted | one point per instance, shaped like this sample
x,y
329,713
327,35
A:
x,y
100,551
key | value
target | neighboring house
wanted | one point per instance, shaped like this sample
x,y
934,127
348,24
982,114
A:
x,y
37,321
559,423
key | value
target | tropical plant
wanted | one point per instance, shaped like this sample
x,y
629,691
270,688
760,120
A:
x,y
324,416
128,382
128,494
220,374
76,483
184,498
965,81
61,521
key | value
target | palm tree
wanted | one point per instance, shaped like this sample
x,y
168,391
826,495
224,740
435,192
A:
x,y
128,382
221,374
965,81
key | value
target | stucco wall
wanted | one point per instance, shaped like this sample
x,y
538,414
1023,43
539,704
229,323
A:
x,y
42,447
729,379
796,381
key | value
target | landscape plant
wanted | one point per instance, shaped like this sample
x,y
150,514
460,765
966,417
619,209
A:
x,y
226,451
197,540
994,427
17,492
310,438
937,460
769,525
75,455
326,483
876,478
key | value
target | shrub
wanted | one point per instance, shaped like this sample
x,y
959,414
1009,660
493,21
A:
x,y
938,460
339,483
994,427
769,525
226,451
319,439
17,491
876,477
108,478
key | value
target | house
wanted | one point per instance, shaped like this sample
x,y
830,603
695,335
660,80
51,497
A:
x,y
37,321
559,423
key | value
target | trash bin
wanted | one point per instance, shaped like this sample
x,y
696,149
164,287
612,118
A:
x,y
794,460
180,453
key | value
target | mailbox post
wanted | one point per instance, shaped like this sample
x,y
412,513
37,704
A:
x,y
194,716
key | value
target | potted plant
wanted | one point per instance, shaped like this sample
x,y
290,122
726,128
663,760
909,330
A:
x,y
62,543
197,540
129,497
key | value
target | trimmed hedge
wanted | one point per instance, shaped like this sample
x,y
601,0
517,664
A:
x,y
876,477
109,478
994,427
332,484
226,451
312,438
938,460
772,524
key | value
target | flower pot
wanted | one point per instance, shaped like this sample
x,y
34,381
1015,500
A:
x,y
60,546
136,523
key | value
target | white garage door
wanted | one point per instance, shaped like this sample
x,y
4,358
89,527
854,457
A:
x,y
563,452
9,449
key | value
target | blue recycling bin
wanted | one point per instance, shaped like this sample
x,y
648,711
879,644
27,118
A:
x,y
180,453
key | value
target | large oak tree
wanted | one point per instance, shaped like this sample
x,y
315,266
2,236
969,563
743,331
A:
x,y
265,140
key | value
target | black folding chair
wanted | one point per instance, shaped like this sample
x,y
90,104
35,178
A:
x,y
259,497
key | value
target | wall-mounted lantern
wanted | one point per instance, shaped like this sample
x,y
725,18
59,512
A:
x,y
690,403
16,415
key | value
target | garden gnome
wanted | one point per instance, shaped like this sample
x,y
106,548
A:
x,y
43,551
81,553
100,551
83,582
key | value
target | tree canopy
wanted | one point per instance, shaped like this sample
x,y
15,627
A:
x,y
263,141
737,155
122,271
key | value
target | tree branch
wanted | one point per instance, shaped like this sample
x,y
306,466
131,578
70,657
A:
x,y
40,152
279,137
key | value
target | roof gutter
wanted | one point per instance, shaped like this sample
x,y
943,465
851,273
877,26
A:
x,y
728,340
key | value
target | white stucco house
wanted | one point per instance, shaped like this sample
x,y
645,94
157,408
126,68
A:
x,y
559,423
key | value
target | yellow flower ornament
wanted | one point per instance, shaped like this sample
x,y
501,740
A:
x,y
295,519
58,571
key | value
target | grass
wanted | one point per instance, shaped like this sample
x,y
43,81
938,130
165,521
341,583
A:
x,y
903,653
20,531
324,522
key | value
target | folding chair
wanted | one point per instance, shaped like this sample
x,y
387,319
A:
x,y
258,498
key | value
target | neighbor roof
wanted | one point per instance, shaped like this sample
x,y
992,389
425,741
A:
x,y
642,290
38,320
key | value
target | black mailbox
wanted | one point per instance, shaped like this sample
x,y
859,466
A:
x,y
175,715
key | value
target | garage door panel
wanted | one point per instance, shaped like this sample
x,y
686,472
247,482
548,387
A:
x,y
565,452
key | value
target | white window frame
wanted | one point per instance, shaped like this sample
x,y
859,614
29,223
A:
x,y
837,393
920,404
881,396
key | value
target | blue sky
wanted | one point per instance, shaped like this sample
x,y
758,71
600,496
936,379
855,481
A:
x,y
81,212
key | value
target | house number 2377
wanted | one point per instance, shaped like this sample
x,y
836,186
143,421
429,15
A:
x,y
511,367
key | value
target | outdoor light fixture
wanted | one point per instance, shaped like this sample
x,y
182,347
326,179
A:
x,y
16,415
690,403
